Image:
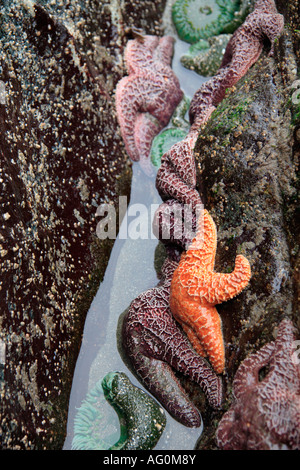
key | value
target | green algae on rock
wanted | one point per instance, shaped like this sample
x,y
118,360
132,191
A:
x,y
142,420
200,19
205,56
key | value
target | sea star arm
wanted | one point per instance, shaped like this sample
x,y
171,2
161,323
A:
x,y
246,376
162,383
177,352
128,103
176,177
272,28
204,329
174,224
204,245
221,287
145,129
164,50
139,53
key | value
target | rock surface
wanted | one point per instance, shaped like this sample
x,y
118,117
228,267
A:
x,y
247,160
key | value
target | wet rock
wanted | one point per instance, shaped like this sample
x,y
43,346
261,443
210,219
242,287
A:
x,y
61,157
247,176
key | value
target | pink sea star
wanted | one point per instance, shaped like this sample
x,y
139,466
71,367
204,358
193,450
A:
x,y
265,413
148,96
176,177
242,51
157,346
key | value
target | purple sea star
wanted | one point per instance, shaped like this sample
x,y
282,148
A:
x,y
242,51
176,178
174,224
265,414
157,346
147,97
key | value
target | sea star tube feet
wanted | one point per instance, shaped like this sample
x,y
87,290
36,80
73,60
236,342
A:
x,y
147,97
196,288
265,412
156,346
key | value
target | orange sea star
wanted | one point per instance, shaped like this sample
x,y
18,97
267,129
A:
x,y
196,288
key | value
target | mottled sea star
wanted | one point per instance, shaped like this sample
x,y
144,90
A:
x,y
242,51
265,413
157,346
196,288
147,97
174,224
176,177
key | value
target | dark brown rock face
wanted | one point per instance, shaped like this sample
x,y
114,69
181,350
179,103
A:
x,y
61,157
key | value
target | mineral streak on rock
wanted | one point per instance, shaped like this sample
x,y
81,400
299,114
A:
x,y
265,413
61,156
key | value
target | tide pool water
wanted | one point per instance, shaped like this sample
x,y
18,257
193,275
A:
x,y
130,272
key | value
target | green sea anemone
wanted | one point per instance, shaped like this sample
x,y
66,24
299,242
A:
x,y
201,19
163,142
205,56
141,419
168,137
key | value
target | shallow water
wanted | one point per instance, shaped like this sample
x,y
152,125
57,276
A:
x,y
130,272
